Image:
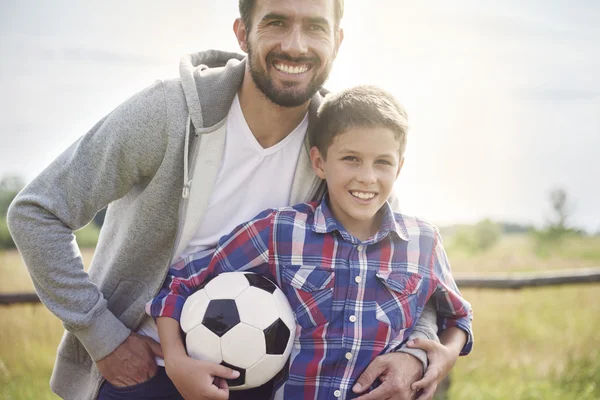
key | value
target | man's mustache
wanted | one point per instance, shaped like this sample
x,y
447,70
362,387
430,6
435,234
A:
x,y
286,57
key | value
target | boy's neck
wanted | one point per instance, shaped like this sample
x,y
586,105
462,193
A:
x,y
362,230
269,122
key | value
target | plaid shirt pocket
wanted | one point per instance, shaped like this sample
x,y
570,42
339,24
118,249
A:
x,y
397,300
310,292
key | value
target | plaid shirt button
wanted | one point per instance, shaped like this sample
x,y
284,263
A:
x,y
352,318
349,356
337,393
358,279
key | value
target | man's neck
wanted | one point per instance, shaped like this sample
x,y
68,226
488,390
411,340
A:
x,y
269,122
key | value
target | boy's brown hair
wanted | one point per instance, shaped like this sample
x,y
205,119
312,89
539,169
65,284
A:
x,y
360,106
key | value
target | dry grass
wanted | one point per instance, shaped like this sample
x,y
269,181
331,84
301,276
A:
x,y
539,343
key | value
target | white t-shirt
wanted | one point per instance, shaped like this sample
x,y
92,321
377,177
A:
x,y
250,180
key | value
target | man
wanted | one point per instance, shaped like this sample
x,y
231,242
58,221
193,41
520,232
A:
x,y
180,164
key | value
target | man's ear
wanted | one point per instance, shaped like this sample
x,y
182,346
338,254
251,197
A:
x,y
239,28
400,164
339,38
317,162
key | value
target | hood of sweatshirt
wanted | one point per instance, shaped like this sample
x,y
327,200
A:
x,y
210,80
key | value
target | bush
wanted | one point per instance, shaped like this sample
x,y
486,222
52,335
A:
x,y
6,241
87,237
479,237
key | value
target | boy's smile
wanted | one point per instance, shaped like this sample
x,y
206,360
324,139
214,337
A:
x,y
360,169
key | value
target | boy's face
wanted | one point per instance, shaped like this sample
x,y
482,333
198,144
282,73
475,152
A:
x,y
360,169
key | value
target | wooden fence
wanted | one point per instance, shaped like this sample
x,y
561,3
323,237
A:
x,y
488,281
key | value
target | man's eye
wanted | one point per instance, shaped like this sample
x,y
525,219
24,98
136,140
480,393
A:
x,y
276,23
314,27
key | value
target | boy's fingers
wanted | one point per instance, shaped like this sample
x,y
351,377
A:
x,y
428,379
366,379
427,393
225,372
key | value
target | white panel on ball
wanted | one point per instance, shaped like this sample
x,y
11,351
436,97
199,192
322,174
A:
x,y
227,285
265,369
202,344
193,310
257,307
243,346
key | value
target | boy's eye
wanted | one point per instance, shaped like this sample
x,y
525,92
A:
x,y
350,158
384,162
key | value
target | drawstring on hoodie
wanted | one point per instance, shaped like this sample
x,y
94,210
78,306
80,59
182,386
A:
x,y
187,183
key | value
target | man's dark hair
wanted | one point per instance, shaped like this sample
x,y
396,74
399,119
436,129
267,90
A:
x,y
247,6
360,106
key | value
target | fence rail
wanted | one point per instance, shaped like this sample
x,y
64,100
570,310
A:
x,y
515,281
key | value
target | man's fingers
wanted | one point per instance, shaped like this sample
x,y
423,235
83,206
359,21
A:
x,y
430,377
421,343
366,379
224,372
154,346
428,393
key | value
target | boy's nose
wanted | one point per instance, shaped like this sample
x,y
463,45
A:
x,y
366,175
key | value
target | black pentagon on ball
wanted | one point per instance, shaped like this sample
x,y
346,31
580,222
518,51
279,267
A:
x,y
221,316
276,337
240,380
261,282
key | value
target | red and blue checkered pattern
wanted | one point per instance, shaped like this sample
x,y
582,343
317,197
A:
x,y
353,300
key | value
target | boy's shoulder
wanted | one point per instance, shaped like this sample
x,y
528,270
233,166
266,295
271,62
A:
x,y
416,226
301,211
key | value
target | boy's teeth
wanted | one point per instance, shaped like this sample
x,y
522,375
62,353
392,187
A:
x,y
291,70
361,195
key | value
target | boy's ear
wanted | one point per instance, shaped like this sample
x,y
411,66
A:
x,y
317,161
400,164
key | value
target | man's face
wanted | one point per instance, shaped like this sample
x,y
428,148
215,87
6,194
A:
x,y
360,169
291,46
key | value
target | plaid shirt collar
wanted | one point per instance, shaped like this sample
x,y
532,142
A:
x,y
325,222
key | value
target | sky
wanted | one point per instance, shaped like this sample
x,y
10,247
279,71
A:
x,y
503,98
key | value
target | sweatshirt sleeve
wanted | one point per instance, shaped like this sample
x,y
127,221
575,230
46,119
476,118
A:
x,y
121,152
452,308
244,249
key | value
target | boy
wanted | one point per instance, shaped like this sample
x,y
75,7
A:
x,y
356,274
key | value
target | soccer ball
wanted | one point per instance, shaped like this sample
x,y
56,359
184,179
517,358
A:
x,y
243,321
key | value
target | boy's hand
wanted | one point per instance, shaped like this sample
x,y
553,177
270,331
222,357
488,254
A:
x,y
132,362
441,361
199,380
396,371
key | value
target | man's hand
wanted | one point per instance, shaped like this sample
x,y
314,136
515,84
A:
x,y
132,362
396,371
441,361
199,380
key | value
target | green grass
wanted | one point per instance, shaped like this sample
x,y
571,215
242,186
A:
x,y
541,343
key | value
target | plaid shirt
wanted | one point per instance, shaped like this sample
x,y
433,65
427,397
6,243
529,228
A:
x,y
353,300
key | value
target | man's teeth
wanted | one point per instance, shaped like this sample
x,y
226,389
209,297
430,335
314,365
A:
x,y
291,70
362,195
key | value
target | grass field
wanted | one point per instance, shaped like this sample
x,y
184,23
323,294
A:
x,y
539,343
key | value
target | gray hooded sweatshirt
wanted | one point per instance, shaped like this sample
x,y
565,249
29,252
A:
x,y
153,161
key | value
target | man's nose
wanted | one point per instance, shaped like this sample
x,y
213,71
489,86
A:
x,y
295,42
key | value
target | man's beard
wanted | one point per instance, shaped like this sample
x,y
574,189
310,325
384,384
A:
x,y
286,98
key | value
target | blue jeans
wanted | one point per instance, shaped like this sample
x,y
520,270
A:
x,y
160,387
